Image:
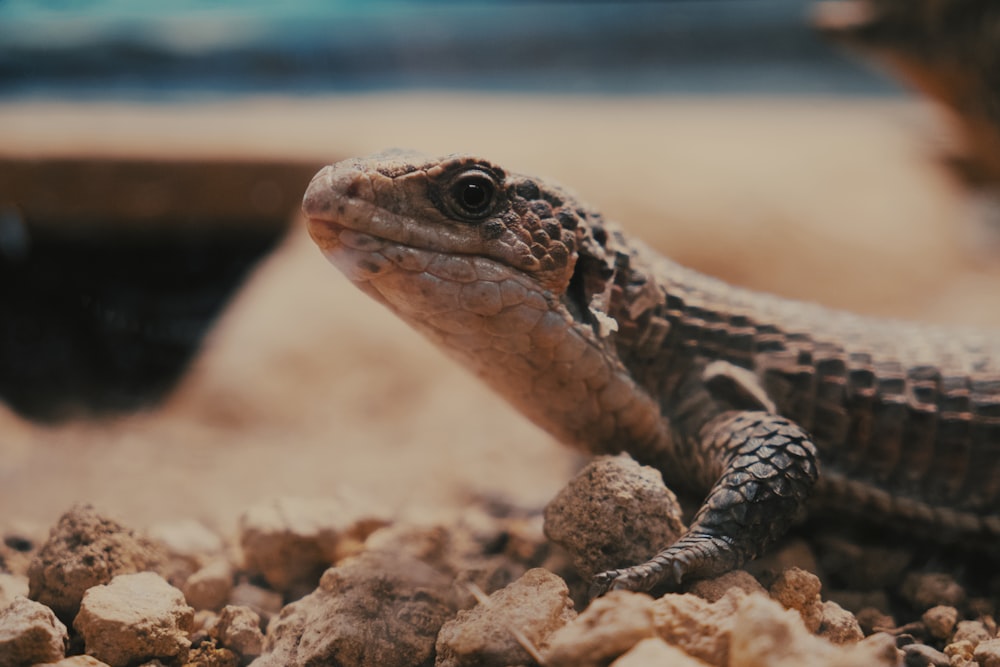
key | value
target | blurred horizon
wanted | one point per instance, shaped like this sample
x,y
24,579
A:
x,y
157,51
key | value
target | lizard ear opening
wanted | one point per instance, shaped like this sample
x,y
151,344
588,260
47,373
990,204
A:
x,y
589,290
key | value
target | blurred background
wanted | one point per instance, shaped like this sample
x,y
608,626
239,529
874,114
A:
x,y
171,344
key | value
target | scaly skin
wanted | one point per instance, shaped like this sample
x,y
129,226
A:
x,y
610,347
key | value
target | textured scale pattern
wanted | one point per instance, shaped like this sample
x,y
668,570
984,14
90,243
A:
x,y
764,405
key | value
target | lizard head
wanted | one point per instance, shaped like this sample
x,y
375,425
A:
x,y
509,275
457,235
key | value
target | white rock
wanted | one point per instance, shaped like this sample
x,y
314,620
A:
x,y
30,633
134,617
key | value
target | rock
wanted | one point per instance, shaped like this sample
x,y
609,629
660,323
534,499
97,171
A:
x,y
376,608
650,652
839,626
188,539
291,541
208,654
606,629
922,655
500,629
799,590
987,654
30,633
764,634
11,587
697,627
960,652
974,631
238,629
940,621
714,589
209,587
134,617
76,661
264,602
614,513
189,546
86,549
924,590
874,620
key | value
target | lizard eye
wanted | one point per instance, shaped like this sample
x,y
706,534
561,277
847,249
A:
x,y
473,194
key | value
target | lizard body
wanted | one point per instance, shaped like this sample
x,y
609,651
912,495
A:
x,y
761,403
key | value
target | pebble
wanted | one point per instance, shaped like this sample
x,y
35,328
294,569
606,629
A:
x,y
940,621
607,628
715,589
134,617
86,549
799,590
656,652
922,655
987,653
614,512
974,631
500,630
238,629
30,633
291,541
764,634
838,625
210,587
375,609
924,590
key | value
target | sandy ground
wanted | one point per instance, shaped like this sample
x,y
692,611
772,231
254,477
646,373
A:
x,y
306,387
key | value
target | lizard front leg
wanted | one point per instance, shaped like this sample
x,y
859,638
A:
x,y
766,466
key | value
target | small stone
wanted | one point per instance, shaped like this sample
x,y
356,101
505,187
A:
x,y
86,549
76,661
496,632
238,629
874,620
799,590
614,513
699,628
922,655
960,651
188,539
210,587
987,654
606,629
135,617
714,589
940,621
374,609
11,587
208,654
974,631
30,633
291,541
764,634
656,652
924,590
266,603
838,625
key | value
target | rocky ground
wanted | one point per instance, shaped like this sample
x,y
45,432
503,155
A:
x,y
332,582
314,430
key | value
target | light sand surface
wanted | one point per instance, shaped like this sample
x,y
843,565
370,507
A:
x,y
306,386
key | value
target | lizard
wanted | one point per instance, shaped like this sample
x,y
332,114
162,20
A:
x,y
764,406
